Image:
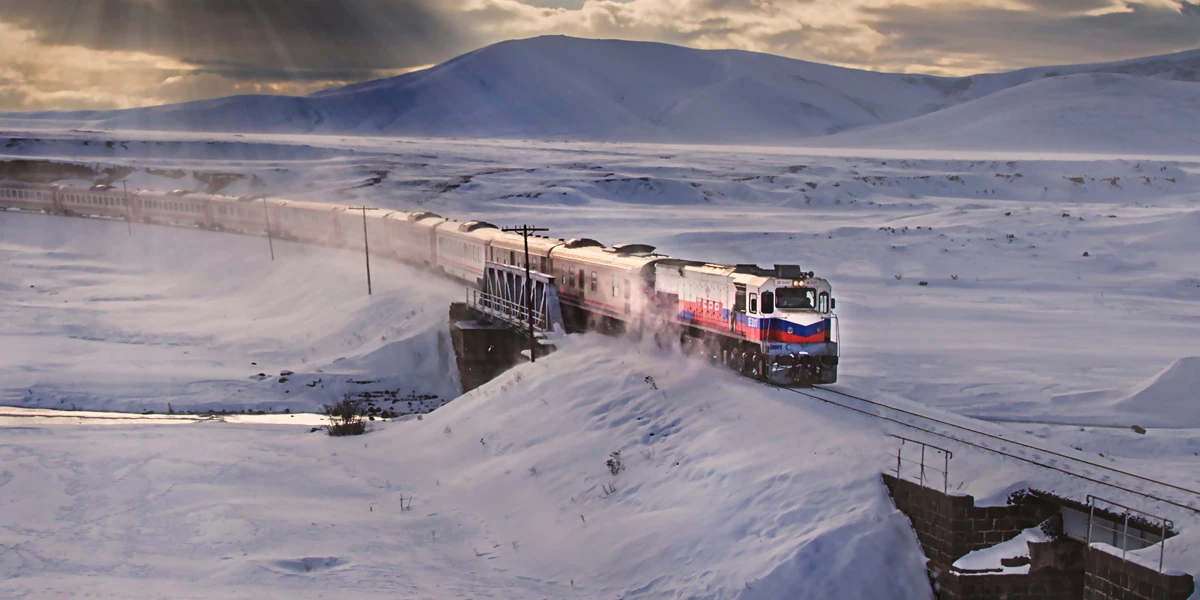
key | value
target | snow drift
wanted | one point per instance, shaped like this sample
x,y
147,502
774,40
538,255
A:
x,y
727,490
1169,399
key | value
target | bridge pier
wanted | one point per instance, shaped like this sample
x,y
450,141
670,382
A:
x,y
484,349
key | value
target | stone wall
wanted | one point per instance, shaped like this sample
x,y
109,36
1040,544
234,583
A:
x,y
483,351
1108,577
948,527
1041,585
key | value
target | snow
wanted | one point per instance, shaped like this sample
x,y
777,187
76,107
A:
x,y
556,87
988,559
1096,112
772,490
98,318
505,486
1169,399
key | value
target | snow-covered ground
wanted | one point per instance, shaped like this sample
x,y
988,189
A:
x,y
771,495
98,316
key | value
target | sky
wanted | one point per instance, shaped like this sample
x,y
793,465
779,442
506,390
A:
x,y
104,54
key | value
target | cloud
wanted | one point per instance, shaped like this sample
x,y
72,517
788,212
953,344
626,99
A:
x,y
953,37
272,39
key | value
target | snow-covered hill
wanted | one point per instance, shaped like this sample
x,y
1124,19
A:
x,y
1089,112
558,87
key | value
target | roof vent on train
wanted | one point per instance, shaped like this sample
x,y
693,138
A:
x,y
583,243
178,193
101,187
470,226
417,216
790,272
632,249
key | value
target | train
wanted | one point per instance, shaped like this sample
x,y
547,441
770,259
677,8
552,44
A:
x,y
777,323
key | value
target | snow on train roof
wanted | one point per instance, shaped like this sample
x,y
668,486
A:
x,y
476,230
13,184
537,245
607,257
308,205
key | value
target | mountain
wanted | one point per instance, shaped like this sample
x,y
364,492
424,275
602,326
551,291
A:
x,y
1087,112
581,89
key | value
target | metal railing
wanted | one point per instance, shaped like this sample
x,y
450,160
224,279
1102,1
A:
x,y
1139,538
502,309
924,464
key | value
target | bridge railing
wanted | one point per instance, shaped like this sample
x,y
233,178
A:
x,y
920,462
510,312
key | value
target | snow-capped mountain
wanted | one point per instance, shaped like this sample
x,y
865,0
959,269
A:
x,y
558,87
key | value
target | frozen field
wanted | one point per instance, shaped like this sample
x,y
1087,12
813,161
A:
x,y
741,493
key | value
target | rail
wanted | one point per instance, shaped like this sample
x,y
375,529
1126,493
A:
x,y
922,466
965,442
1164,525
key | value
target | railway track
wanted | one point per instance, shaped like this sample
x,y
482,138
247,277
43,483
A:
x,y
1074,466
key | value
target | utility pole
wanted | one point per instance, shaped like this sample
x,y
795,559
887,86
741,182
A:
x,y
267,215
366,246
128,209
526,231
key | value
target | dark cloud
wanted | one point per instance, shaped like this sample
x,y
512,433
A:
x,y
245,39
1011,38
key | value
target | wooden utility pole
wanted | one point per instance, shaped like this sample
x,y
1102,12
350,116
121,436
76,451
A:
x,y
366,245
270,242
526,231
128,209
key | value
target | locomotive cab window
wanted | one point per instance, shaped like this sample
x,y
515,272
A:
x,y
823,303
796,298
753,304
768,303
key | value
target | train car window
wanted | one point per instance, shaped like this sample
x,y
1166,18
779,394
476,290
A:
x,y
753,304
768,303
580,280
595,281
616,287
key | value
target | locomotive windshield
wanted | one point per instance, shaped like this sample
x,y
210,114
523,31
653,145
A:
x,y
795,298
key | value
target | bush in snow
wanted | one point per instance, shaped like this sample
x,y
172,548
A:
x,y
346,417
614,462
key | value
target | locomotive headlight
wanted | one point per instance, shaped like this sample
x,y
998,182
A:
x,y
797,283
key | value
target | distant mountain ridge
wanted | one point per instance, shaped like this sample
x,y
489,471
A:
x,y
556,87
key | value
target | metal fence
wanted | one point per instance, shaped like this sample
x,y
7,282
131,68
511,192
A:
x,y
922,461
1118,533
